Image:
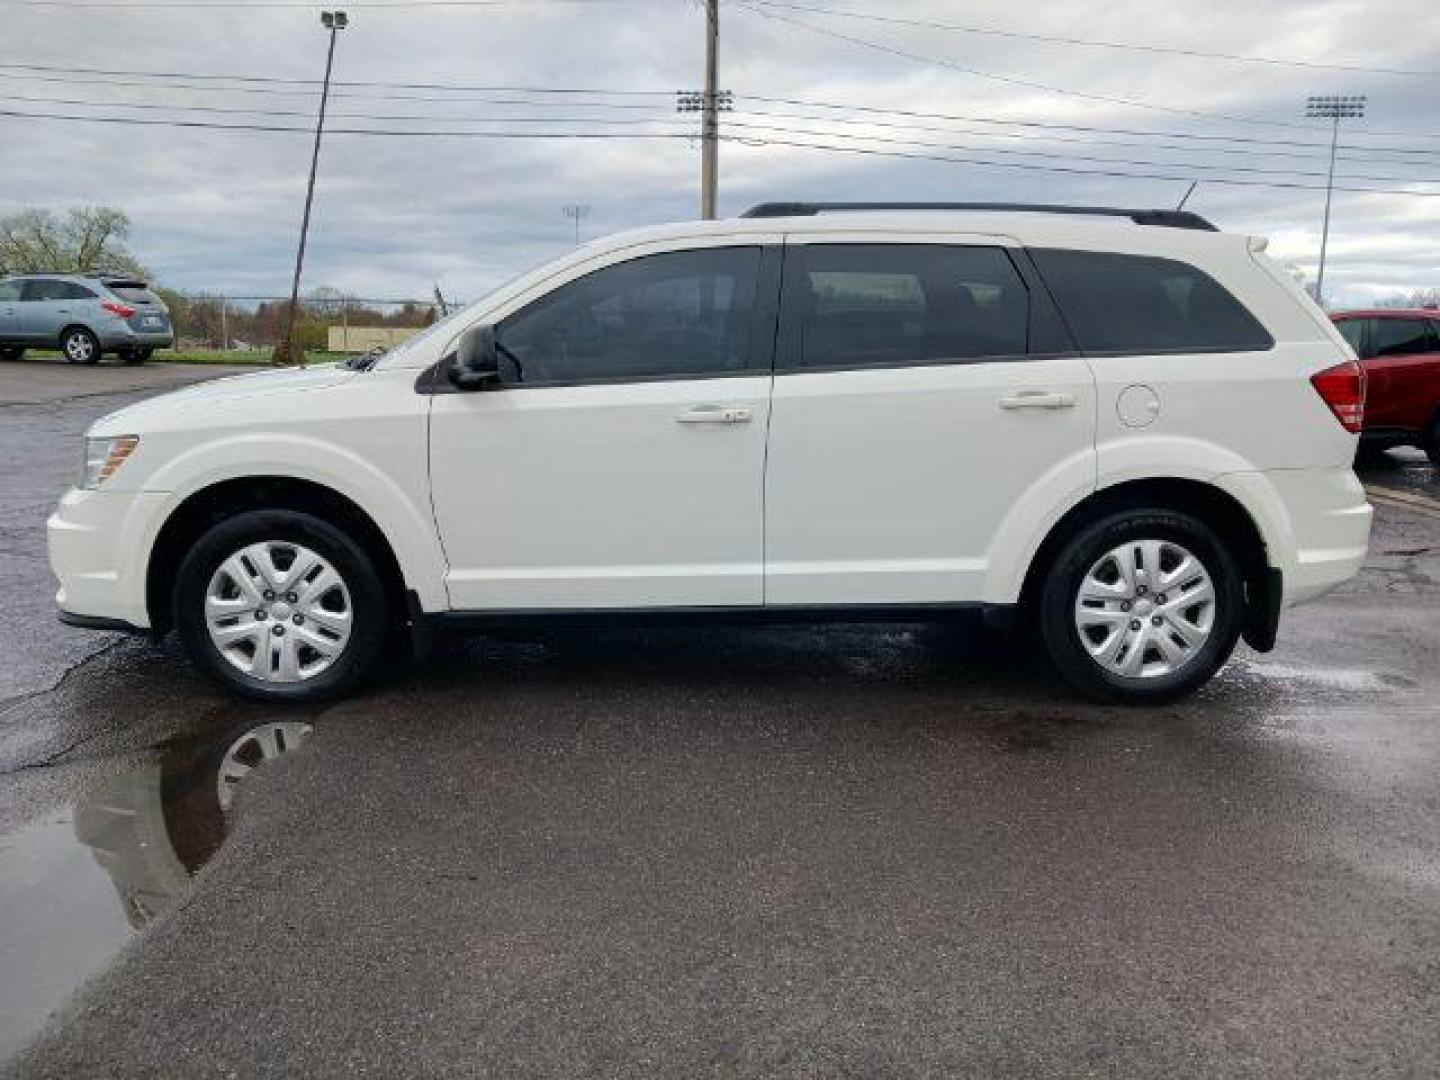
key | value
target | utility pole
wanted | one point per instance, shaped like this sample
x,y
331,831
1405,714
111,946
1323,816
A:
x,y
224,327
710,117
1333,108
709,103
285,351
578,211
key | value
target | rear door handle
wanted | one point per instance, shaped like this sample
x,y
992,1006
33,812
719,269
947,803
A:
x,y
714,414
1038,399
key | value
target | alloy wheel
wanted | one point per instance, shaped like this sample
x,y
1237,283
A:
x,y
278,612
79,348
1145,609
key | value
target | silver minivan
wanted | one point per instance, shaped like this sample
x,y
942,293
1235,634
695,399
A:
x,y
84,317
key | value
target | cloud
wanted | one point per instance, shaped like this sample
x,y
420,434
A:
x,y
220,210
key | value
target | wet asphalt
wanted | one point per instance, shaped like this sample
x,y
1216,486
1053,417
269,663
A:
x,y
844,851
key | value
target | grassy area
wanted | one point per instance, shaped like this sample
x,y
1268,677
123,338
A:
x,y
256,357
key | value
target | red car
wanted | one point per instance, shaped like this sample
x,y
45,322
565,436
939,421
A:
x,y
1400,351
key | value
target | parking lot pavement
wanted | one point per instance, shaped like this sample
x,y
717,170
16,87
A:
x,y
837,851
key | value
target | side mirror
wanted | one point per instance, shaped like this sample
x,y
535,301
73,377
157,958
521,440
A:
x,y
475,362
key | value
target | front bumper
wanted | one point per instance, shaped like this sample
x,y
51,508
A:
x,y
98,541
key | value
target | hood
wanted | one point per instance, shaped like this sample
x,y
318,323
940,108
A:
x,y
192,401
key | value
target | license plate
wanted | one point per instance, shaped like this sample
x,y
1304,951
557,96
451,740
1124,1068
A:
x,y
152,320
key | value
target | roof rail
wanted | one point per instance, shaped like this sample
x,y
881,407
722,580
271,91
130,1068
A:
x,y
1171,219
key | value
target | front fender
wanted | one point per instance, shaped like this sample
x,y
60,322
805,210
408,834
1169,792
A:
x,y
396,497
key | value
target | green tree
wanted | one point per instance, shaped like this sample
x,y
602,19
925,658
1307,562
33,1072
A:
x,y
88,239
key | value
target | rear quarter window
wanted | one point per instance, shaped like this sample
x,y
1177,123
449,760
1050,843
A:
x,y
1127,304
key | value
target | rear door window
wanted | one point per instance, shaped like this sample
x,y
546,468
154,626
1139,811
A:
x,y
878,305
9,291
1400,337
1136,304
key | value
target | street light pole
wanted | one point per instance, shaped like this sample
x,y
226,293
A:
x,y
334,21
1333,108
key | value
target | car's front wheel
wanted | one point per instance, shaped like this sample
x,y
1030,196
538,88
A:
x,y
281,605
80,346
1143,606
11,352
1431,445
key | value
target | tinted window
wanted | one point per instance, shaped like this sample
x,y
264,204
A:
x,y
9,291
134,292
1353,331
46,289
681,313
1400,337
1142,304
851,305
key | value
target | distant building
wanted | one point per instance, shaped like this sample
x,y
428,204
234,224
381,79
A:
x,y
359,339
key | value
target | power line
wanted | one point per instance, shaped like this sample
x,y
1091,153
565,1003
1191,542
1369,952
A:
x,y
1180,179
1055,39
396,132
752,141
279,80
1050,126
192,5
64,73
1012,80
739,124
227,110
665,120
1221,167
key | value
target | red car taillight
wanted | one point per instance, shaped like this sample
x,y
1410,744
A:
x,y
1343,388
123,310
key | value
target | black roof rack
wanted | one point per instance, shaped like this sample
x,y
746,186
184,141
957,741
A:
x,y
1170,219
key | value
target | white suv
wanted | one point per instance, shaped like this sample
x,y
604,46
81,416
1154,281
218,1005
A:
x,y
1128,426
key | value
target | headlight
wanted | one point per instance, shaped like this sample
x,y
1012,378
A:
x,y
103,458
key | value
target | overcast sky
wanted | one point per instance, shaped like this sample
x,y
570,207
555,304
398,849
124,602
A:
x,y
219,210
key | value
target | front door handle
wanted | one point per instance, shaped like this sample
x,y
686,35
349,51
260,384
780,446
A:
x,y
1038,399
714,414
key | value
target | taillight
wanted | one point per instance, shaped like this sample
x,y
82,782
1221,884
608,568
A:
x,y
123,310
1343,388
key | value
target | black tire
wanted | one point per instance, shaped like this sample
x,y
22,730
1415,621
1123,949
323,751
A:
x,y
80,346
146,353
1431,443
132,356
370,608
1060,591
11,352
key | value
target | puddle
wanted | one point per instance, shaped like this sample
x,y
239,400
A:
x,y
75,886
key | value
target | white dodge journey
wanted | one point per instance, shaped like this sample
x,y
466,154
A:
x,y
1130,429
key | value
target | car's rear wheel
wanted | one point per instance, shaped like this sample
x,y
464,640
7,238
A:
x,y
1431,444
135,356
11,352
80,346
281,605
1143,606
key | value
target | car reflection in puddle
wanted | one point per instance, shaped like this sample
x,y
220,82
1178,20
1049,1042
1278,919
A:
x,y
150,829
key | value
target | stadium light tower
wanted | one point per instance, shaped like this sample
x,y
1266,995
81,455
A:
x,y
579,212
285,351
1334,108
